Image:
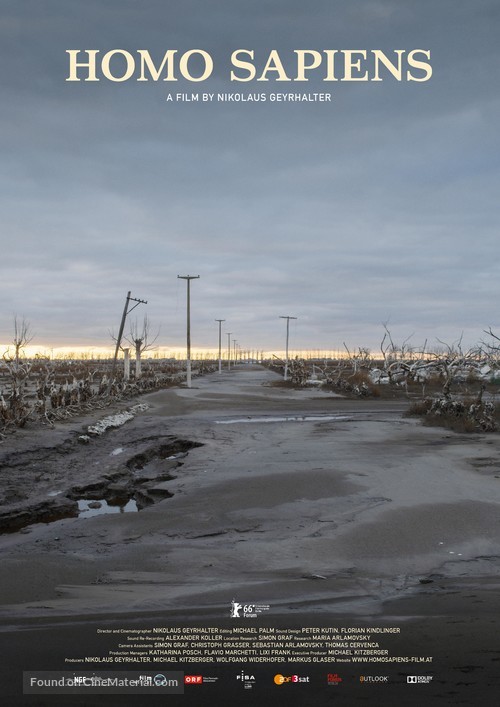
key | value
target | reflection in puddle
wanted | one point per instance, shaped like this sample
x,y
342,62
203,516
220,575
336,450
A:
x,y
94,507
287,418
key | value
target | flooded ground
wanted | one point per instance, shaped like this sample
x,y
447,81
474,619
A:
x,y
320,506
283,418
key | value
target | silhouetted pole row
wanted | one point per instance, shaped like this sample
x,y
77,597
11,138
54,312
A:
x,y
232,352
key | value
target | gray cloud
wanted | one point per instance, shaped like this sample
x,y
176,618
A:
x,y
379,206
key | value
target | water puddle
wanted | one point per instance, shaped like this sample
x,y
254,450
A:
x,y
284,418
139,485
95,507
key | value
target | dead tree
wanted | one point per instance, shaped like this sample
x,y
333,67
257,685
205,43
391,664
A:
x,y
398,358
22,337
141,340
492,349
15,408
452,362
359,359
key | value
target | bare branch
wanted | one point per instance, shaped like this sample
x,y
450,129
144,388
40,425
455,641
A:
x,y
140,338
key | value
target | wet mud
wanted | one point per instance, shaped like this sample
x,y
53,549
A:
x,y
44,485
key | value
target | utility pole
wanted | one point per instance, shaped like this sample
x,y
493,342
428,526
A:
x,y
126,311
285,377
220,344
229,350
234,351
188,279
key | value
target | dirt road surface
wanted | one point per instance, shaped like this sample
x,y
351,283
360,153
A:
x,y
326,510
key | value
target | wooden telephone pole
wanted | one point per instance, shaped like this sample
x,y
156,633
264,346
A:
x,y
126,311
220,344
285,377
188,279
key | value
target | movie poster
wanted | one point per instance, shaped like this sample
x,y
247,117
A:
x,y
249,330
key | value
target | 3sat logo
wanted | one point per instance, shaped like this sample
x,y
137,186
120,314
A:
x,y
280,679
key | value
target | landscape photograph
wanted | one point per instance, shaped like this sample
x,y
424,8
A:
x,y
249,353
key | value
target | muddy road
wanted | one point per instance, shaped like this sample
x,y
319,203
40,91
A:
x,y
297,499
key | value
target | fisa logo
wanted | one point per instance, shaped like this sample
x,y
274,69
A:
x,y
333,679
248,681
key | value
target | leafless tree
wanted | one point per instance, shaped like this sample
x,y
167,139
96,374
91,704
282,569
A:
x,y
492,348
401,361
360,358
452,362
142,340
23,335
15,409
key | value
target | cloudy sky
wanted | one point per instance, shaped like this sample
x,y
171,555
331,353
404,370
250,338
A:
x,y
379,206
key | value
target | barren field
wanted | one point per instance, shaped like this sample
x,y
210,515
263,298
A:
x,y
318,506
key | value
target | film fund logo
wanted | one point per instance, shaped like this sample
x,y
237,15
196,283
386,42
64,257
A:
x,y
333,679
248,681
246,610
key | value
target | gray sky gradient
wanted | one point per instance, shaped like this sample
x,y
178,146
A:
x,y
380,206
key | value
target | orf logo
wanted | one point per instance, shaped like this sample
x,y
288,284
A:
x,y
193,679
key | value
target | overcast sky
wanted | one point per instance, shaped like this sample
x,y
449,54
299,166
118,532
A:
x,y
379,206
